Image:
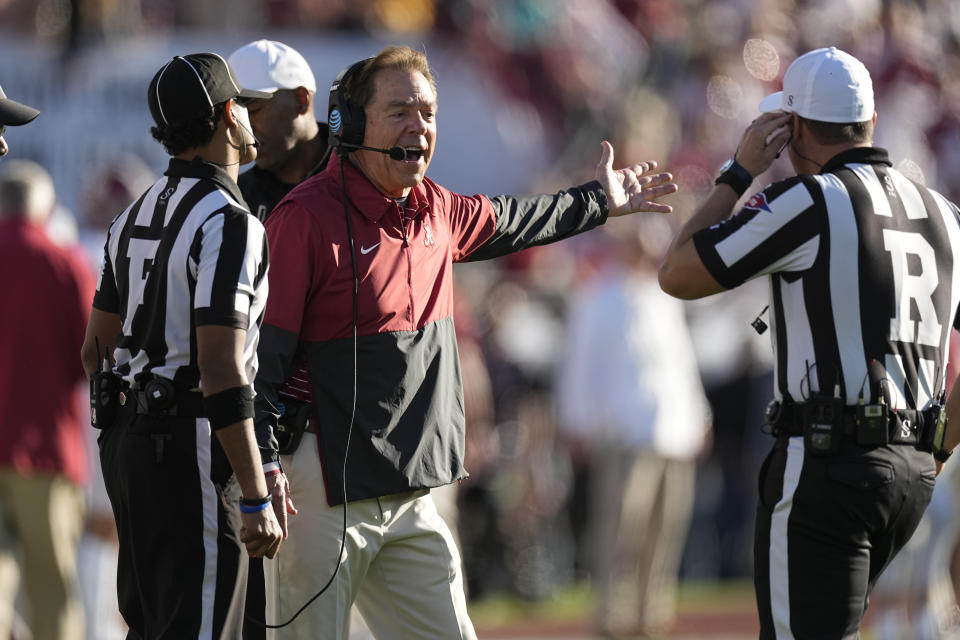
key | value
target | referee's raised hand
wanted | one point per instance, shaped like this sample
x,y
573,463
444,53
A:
x,y
632,188
763,140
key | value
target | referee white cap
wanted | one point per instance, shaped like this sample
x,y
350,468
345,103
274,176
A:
x,y
267,65
828,85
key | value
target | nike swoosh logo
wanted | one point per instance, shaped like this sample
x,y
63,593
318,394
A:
x,y
366,250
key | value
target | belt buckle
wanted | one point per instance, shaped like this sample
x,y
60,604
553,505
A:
x,y
160,396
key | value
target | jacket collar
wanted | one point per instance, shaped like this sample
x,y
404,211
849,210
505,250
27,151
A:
x,y
367,200
197,168
857,155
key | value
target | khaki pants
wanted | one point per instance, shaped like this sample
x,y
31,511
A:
x,y
400,564
642,504
41,519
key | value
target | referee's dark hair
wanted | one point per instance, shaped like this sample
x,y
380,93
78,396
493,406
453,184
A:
x,y
831,133
181,135
187,98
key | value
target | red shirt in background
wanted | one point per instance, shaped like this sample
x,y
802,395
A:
x,y
46,296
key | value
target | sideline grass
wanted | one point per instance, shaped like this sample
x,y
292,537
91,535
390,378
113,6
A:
x,y
575,603
714,595
568,604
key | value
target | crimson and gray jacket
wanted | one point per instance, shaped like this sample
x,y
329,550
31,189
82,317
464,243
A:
x,y
408,432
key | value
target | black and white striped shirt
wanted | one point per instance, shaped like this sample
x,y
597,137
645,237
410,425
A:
x,y
864,269
186,253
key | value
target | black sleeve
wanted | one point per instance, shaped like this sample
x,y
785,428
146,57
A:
x,y
528,221
777,230
107,298
275,354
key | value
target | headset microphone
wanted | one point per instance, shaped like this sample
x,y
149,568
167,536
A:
x,y
256,143
395,153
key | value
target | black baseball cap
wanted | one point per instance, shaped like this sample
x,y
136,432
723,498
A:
x,y
189,86
13,113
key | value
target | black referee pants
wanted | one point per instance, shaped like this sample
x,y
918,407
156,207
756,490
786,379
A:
x,y
182,570
826,527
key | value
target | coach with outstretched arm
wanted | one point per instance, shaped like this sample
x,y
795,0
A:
x,y
386,419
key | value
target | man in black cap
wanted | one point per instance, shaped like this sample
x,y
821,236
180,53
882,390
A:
x,y
179,303
12,114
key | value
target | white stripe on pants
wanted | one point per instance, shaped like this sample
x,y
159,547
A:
x,y
779,557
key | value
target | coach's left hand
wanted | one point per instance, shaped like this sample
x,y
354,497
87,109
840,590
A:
x,y
279,488
630,189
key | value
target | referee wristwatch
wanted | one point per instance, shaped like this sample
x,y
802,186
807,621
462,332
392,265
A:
x,y
733,174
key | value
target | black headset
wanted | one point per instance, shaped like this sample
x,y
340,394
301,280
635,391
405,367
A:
x,y
345,119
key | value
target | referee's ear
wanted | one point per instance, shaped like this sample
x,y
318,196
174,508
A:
x,y
232,120
233,123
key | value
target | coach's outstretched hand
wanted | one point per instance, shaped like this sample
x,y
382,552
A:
x,y
630,189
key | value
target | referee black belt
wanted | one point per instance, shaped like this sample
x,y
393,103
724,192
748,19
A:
x,y
155,401
905,426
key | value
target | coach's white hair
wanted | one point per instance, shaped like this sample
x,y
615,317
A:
x,y
26,191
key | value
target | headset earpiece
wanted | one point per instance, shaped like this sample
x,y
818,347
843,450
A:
x,y
345,119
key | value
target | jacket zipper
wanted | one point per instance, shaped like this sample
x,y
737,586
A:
x,y
404,223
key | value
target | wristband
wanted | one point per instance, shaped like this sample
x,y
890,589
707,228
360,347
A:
x,y
256,502
942,455
229,406
257,509
271,469
733,174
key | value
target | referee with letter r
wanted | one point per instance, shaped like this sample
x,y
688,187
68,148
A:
x,y
864,272
171,352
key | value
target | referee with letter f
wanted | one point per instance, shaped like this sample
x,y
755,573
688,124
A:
x,y
171,351
864,272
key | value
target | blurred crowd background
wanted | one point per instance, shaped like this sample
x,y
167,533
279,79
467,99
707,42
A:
x,y
527,90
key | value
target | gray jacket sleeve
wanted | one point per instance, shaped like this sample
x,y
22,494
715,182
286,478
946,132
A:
x,y
527,221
